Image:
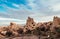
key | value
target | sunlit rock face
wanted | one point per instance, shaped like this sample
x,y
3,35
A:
x,y
30,24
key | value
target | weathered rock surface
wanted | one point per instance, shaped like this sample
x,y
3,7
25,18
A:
x,y
15,30
30,24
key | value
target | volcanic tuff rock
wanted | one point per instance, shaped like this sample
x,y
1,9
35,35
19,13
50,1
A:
x,y
30,24
56,20
56,23
15,29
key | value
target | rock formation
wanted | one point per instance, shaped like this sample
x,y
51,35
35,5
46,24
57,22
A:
x,y
56,20
56,23
15,30
39,24
30,24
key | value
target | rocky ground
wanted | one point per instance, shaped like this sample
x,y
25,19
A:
x,y
31,37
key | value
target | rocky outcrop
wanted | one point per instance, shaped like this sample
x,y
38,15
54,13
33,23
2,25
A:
x,y
56,23
15,30
56,20
30,24
11,30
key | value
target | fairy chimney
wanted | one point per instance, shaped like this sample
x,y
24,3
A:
x,y
56,20
56,23
30,24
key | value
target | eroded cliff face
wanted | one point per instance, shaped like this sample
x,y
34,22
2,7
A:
x,y
15,30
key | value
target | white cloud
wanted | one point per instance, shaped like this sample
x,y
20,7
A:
x,y
10,19
55,7
6,21
42,10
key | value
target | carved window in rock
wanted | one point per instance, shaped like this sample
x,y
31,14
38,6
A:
x,y
50,23
33,24
32,27
26,28
29,25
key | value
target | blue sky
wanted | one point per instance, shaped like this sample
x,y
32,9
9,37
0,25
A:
x,y
18,10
